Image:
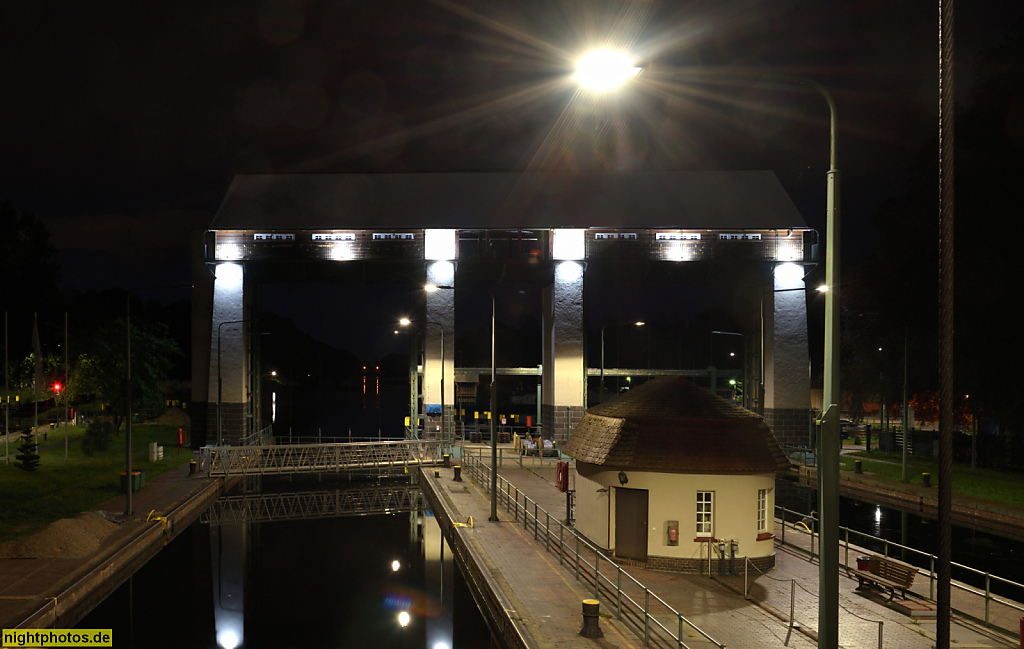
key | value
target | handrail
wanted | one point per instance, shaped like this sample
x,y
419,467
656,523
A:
x,y
888,546
531,513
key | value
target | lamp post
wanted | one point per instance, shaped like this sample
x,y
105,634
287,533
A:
x,y
600,387
128,507
603,72
405,322
494,399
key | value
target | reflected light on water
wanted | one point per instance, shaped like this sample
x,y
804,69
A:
x,y
228,639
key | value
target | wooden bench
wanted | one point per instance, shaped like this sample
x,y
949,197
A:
x,y
888,574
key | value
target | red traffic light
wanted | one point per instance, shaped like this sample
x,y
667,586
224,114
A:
x,y
57,387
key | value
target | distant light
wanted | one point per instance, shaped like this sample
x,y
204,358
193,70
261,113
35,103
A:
x,y
431,288
342,251
639,323
568,244
229,251
822,289
273,372
396,565
405,322
403,618
439,245
604,69
788,276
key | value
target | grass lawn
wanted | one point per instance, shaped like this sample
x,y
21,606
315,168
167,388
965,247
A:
x,y
986,484
33,499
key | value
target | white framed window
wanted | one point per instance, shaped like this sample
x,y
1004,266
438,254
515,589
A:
x,y
705,513
762,510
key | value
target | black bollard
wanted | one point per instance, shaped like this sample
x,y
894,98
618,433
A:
x,y
447,460
458,473
191,467
591,619
926,479
858,466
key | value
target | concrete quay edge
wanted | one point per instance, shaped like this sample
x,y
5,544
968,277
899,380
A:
x,y
522,611
60,592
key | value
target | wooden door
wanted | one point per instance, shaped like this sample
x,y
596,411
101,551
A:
x,y
631,524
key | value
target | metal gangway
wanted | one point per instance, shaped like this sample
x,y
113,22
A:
x,y
323,503
385,457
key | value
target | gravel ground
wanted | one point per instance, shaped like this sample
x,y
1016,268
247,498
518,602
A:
x,y
68,537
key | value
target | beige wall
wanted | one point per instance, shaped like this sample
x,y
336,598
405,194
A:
x,y
672,497
592,510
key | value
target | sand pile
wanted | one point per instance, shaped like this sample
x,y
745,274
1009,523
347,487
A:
x,y
175,417
66,538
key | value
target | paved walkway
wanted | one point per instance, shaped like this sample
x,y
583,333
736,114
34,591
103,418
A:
x,y
37,592
715,605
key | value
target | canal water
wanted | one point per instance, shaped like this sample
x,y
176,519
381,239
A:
x,y
326,582
978,549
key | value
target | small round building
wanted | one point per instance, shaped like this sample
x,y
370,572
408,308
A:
x,y
670,475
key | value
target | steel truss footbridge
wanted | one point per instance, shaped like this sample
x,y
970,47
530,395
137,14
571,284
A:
x,y
383,457
324,503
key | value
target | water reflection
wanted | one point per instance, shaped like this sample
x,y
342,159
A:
x,y
380,580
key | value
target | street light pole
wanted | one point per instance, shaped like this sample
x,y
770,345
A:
x,y
600,387
406,322
828,469
494,399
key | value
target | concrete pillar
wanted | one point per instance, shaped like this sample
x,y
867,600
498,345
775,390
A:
x,y
787,388
564,379
440,323
228,355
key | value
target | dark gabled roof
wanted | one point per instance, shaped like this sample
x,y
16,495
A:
x,y
727,200
671,425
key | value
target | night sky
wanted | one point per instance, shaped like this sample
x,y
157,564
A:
x,y
124,122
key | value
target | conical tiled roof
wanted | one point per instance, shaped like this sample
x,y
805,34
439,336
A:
x,y
668,424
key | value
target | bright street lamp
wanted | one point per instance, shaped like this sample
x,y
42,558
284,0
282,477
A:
x,y
430,288
600,387
828,470
603,70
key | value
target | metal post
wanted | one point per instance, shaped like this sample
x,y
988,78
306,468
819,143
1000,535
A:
x,y
792,601
647,616
746,571
618,594
128,508
988,594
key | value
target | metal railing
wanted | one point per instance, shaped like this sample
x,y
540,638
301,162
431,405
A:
x,y
634,603
323,503
257,437
394,456
804,538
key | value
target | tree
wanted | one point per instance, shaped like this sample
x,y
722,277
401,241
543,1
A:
x,y
152,356
28,453
97,436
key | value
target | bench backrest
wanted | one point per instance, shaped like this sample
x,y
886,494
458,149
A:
x,y
895,571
